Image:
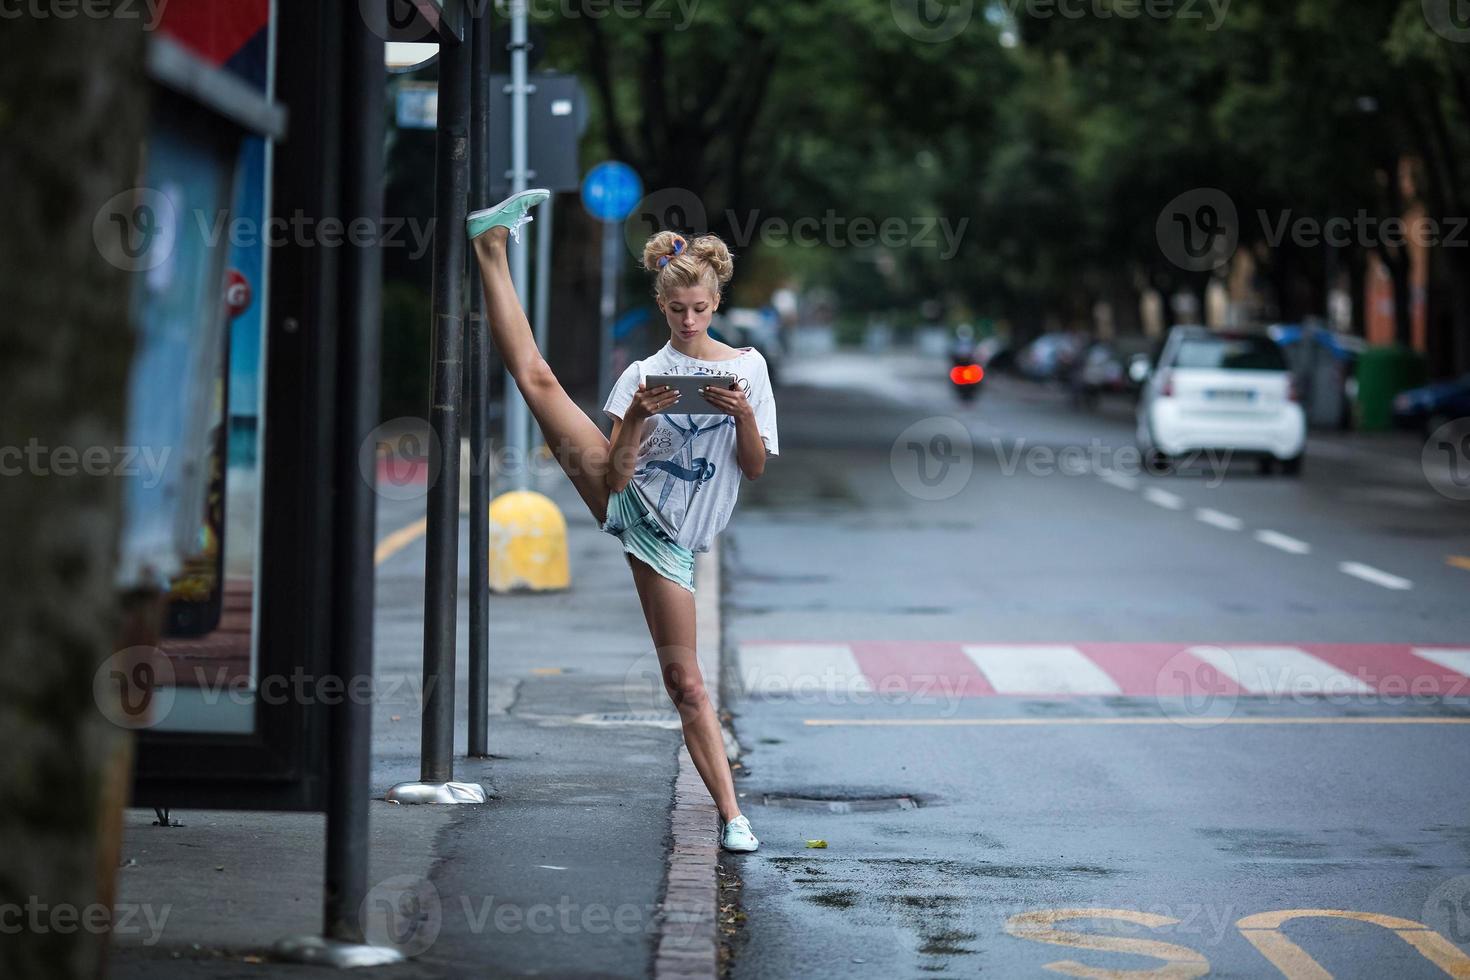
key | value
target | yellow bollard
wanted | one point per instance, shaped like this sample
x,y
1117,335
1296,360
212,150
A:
x,y
528,544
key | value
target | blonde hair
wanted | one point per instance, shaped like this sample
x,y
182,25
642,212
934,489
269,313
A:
x,y
678,262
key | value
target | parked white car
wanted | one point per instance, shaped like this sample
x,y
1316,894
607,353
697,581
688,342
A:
x,y
1220,390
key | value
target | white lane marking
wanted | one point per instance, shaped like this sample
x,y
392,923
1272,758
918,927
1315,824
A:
x,y
1040,670
552,867
782,668
1278,540
1118,479
1279,670
1163,498
1375,575
1456,660
1227,521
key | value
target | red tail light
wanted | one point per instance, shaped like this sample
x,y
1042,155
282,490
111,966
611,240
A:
x,y
1292,394
966,374
1166,386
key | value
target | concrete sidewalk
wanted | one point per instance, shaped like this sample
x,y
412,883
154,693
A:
x,y
562,873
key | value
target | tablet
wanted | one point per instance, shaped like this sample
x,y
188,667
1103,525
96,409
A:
x,y
690,402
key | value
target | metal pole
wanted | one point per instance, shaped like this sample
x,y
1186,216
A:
x,y
477,357
611,269
517,415
543,289
441,572
355,507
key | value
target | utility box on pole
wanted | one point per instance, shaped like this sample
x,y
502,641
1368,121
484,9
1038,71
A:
x,y
556,115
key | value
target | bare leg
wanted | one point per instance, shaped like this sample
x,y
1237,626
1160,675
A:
x,y
669,609
575,440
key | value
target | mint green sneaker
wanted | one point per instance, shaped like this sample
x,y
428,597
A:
x,y
510,213
736,836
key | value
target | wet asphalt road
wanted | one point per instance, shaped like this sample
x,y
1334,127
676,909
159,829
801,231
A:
x,y
1092,719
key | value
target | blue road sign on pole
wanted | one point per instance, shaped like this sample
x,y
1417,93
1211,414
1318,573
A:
x,y
611,190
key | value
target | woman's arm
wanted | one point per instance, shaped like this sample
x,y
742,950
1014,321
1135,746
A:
x,y
622,453
750,451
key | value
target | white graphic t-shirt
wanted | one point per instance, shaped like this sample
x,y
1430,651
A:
x,y
687,470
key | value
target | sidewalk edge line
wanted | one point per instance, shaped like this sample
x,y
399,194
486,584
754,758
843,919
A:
x,y
687,939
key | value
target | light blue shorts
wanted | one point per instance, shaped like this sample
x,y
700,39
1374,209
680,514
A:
x,y
629,521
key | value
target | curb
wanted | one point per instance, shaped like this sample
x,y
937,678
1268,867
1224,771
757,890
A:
x,y
687,942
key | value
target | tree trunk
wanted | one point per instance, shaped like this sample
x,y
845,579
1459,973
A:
x,y
72,107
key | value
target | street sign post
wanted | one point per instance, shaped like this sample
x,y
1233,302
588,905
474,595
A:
x,y
610,192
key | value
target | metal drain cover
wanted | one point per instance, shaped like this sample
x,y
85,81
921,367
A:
x,y
855,804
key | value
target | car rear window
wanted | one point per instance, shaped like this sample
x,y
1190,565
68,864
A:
x,y
1231,354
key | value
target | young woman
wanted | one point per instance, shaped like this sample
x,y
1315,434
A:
x,y
664,484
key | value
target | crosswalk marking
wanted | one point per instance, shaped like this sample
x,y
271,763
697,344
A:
x,y
1279,670
1456,660
1033,669
779,668
932,671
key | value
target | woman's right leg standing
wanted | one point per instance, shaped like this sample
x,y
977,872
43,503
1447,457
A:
x,y
573,438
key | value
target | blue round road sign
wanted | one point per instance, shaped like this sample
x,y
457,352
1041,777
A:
x,y
611,190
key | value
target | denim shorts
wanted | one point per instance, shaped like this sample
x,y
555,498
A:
x,y
629,521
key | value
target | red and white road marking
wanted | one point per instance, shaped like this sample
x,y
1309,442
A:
x,y
1130,669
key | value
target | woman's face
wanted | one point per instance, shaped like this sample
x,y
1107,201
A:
x,y
688,311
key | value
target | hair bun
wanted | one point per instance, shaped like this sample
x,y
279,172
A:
x,y
711,250
662,247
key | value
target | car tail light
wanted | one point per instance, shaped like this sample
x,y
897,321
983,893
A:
x,y
1166,385
966,374
1292,393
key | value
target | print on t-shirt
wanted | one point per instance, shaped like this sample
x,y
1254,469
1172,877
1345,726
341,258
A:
x,y
687,469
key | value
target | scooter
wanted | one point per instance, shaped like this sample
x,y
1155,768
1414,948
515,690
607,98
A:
x,y
965,376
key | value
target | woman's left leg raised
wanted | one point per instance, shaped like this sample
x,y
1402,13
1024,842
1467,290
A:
x,y
573,438
669,609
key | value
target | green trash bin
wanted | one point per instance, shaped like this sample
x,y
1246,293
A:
x,y
1382,373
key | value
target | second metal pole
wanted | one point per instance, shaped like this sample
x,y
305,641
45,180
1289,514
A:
x,y
477,361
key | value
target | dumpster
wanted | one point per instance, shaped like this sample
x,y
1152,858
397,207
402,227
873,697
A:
x,y
1382,373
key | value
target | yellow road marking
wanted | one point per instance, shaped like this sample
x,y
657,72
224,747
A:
x,y
1369,720
1263,932
1180,962
1459,561
546,670
398,540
